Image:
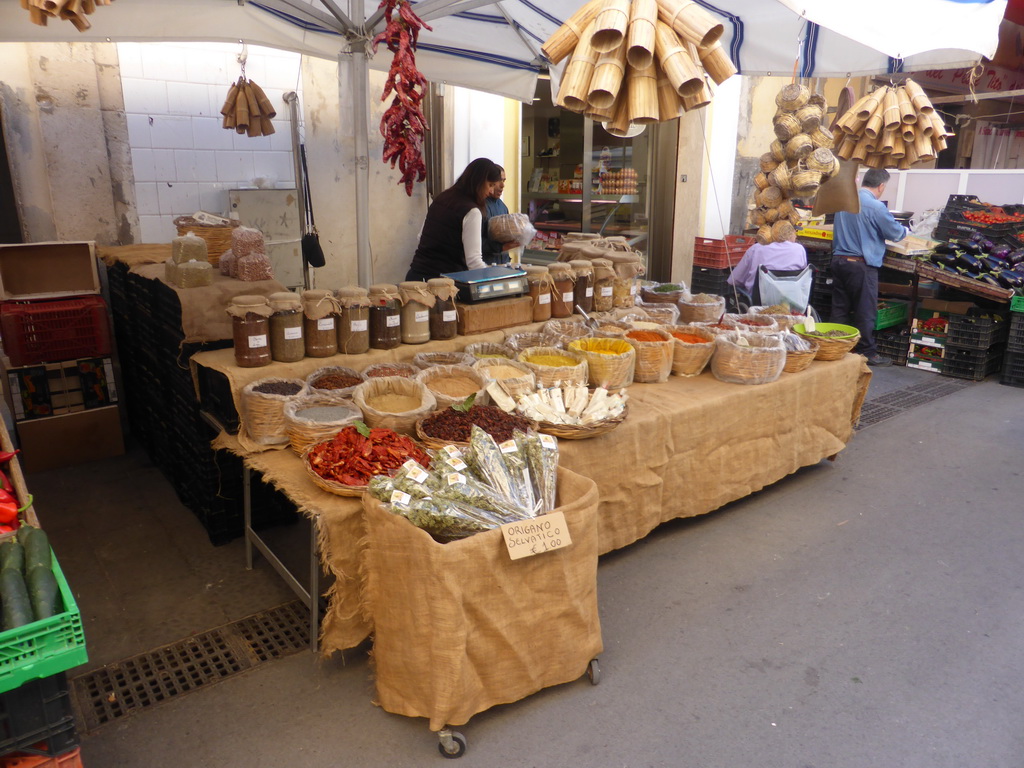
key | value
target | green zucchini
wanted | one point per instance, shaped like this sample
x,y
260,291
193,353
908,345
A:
x,y
17,607
12,555
37,549
42,589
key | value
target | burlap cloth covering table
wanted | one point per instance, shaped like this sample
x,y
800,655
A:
x,y
202,308
689,446
459,627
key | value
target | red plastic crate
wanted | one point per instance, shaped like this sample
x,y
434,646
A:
x,y
72,759
48,331
720,254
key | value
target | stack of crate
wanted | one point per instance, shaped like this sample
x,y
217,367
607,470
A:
x,y
1013,362
58,365
975,344
713,261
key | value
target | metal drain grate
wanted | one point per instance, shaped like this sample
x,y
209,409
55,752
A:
x,y
889,404
125,687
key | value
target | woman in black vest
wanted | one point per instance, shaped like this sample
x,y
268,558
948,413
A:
x,y
450,240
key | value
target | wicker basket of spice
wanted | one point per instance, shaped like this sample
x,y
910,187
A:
x,y
452,426
313,418
394,402
483,350
263,403
344,464
693,347
552,365
701,308
752,323
451,384
516,378
748,358
834,339
334,380
424,360
800,352
610,361
654,349
383,370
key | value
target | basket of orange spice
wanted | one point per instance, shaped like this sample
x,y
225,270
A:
x,y
693,347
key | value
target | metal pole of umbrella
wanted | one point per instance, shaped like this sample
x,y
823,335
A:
x,y
360,86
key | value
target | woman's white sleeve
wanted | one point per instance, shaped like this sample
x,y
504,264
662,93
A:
x,y
472,239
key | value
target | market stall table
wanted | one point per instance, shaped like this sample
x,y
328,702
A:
x,y
688,447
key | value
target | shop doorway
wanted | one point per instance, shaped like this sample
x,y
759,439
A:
x,y
10,226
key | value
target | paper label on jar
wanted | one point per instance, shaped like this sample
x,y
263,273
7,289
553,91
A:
x,y
255,342
568,297
589,291
454,478
606,290
449,316
544,298
401,498
423,317
358,326
509,446
325,324
293,333
394,321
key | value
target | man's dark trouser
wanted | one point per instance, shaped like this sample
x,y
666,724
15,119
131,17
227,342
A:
x,y
855,299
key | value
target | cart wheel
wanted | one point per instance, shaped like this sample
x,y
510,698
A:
x,y
594,672
452,744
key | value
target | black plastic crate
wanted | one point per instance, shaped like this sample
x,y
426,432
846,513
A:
x,y
971,364
976,332
707,280
1015,336
1013,369
215,397
37,718
894,343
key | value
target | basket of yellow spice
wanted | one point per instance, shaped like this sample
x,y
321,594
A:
x,y
394,402
610,361
552,365
693,347
451,384
654,349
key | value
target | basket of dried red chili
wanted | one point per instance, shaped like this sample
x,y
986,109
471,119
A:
x,y
653,354
344,464
692,347
752,323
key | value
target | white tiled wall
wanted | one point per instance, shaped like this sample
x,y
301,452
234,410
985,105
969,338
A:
x,y
184,160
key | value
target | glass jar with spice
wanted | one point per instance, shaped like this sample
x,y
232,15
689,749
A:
x,y
416,301
604,285
628,268
353,320
538,281
286,342
320,310
563,292
385,316
444,319
250,327
584,287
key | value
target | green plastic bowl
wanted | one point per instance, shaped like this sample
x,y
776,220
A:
x,y
850,331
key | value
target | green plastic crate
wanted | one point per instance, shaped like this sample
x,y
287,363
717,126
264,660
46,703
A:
x,y
892,313
44,647
1017,305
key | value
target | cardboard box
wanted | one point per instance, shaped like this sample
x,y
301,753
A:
x,y
74,438
494,315
52,389
952,307
47,270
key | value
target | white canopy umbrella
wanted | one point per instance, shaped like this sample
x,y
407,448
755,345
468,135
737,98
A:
x,y
494,45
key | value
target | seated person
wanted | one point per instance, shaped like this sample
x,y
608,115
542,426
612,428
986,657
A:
x,y
784,254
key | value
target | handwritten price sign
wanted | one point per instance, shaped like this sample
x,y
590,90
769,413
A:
x,y
532,537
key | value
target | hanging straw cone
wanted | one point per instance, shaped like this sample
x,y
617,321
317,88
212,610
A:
x,y
670,104
918,98
938,143
599,115
923,148
698,100
909,153
241,112
643,16
908,114
229,102
716,62
564,39
924,125
675,61
690,21
937,126
266,126
786,125
861,151
607,78
846,147
853,121
572,94
792,97
886,142
890,109
867,105
643,95
907,130
610,26
255,122
875,123
266,107
810,117
903,164
898,145
799,147
619,125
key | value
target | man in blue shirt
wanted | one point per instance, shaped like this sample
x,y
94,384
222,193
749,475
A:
x,y
495,252
857,251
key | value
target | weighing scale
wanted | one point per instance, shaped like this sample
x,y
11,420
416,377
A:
x,y
489,283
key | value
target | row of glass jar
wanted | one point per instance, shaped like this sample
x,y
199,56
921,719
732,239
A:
x,y
595,285
286,327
